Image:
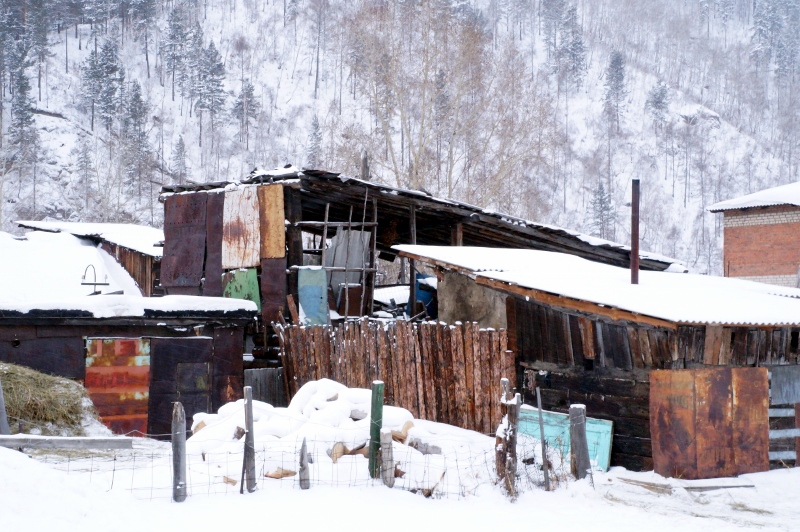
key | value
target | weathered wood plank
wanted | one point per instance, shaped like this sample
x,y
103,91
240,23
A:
x,y
64,442
271,217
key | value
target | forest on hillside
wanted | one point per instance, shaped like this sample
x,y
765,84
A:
x,y
544,109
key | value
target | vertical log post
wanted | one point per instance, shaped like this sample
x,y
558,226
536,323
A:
x,y
387,458
249,443
178,453
305,481
545,463
502,432
511,444
375,425
635,231
579,446
412,294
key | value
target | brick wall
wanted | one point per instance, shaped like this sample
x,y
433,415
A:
x,y
763,244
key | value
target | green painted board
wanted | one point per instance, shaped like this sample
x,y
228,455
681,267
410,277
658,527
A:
x,y
242,284
599,433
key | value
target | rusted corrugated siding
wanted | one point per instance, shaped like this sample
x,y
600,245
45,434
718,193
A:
x,y
213,271
241,234
118,381
185,241
273,288
710,422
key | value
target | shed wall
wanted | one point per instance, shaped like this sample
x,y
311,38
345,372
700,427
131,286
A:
x,y
461,299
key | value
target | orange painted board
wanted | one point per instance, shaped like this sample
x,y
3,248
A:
x,y
271,215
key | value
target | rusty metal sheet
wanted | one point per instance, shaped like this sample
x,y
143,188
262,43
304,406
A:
x,y
272,216
751,419
227,366
785,387
241,234
273,288
212,286
118,381
672,423
165,356
713,421
184,240
242,284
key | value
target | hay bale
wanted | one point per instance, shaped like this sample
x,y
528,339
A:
x,y
47,405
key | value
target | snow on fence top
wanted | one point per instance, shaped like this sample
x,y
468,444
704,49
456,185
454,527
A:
x,y
782,195
44,271
673,297
134,237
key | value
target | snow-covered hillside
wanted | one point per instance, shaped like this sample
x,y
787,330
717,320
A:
x,y
504,104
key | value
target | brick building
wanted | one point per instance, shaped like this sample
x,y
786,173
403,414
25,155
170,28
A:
x,y
760,235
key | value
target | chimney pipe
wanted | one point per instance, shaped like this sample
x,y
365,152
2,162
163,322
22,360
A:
x,y
635,231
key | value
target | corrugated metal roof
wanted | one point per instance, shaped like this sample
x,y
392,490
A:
x,y
782,195
672,297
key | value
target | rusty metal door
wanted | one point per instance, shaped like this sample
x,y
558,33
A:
x,y
213,271
179,372
709,422
118,380
184,242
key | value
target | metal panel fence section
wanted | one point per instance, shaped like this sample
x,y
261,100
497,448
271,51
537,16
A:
x,y
268,385
440,372
184,241
710,422
241,234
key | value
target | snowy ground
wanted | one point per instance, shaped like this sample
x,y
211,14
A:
x,y
129,490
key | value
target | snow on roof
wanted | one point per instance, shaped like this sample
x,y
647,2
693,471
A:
x,y
674,297
782,195
44,271
139,238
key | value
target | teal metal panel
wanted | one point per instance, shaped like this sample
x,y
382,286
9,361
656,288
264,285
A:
x,y
242,284
556,432
312,288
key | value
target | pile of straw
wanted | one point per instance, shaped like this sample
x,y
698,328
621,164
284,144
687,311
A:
x,y
44,404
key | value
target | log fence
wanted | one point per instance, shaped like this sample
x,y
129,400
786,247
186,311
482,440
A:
x,y
440,372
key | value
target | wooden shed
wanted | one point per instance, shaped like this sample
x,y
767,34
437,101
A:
x,y
583,334
135,355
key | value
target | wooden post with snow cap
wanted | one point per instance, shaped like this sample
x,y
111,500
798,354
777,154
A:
x,y
579,445
375,425
387,458
249,443
178,453
545,463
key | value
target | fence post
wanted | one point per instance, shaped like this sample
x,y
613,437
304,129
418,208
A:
x,y
178,453
249,444
375,425
500,439
4,428
387,458
579,446
545,463
511,444
305,482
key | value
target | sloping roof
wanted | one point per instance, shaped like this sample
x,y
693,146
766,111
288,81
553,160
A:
x,y
782,195
436,217
41,275
677,298
139,238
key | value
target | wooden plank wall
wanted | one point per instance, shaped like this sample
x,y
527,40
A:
x,y
445,373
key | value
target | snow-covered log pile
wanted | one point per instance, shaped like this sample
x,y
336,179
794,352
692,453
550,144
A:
x,y
432,458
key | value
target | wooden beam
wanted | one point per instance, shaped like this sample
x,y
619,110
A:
x,y
63,442
556,300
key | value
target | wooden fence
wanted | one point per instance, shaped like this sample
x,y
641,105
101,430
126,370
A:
x,y
267,385
445,373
